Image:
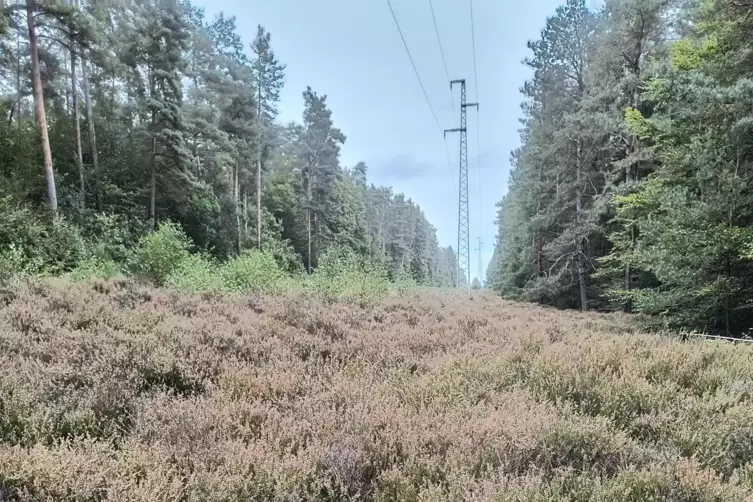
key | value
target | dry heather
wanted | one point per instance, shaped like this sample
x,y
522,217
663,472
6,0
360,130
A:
x,y
115,391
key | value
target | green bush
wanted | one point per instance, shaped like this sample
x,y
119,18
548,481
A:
x,y
159,254
95,268
405,285
343,274
195,274
253,272
63,248
111,236
33,246
284,255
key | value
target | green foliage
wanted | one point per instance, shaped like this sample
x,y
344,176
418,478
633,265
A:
x,y
645,204
30,245
95,268
343,274
253,272
161,253
195,274
636,124
686,54
176,112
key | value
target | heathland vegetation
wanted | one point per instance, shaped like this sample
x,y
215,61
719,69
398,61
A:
x,y
200,303
111,390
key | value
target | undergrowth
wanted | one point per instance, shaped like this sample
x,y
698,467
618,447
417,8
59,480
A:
x,y
116,390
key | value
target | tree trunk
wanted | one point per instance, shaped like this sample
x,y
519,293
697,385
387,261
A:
x,y
258,167
581,258
18,79
727,323
258,203
77,128
92,135
153,184
236,199
39,111
67,91
630,176
245,214
308,217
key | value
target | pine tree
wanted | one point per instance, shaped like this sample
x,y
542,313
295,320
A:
x,y
156,62
319,153
39,107
268,75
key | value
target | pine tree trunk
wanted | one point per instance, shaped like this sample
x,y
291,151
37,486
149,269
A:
x,y
727,322
18,79
67,91
258,203
308,217
245,214
581,258
314,237
77,128
92,136
258,168
153,184
629,177
39,111
236,199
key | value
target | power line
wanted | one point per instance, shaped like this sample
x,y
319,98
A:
x,y
418,77
478,119
473,40
449,163
441,51
428,102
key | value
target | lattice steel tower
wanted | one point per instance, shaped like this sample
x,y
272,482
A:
x,y
464,260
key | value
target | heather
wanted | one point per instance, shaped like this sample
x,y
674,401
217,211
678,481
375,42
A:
x,y
116,390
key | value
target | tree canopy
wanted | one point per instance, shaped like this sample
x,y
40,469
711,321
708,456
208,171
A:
x,y
631,188
137,113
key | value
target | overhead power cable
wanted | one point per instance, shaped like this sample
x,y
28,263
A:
x,y
441,51
423,89
478,120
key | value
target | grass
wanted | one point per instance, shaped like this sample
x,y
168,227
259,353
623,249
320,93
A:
x,y
112,390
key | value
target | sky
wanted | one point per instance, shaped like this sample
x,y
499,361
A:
x,y
351,51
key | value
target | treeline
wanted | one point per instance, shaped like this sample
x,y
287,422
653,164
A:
x,y
120,115
632,187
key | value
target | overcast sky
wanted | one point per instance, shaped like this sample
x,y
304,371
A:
x,y
351,51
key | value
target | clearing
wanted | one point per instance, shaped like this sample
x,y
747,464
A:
x,y
117,391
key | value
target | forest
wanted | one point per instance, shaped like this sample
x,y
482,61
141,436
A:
x,y
119,117
631,189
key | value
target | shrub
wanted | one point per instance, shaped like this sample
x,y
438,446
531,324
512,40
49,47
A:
x,y
161,253
342,274
116,390
286,257
95,268
62,247
111,236
253,272
32,246
195,274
